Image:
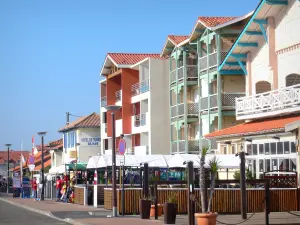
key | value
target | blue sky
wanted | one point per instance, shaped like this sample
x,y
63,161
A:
x,y
51,53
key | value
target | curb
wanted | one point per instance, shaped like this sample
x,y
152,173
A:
x,y
45,213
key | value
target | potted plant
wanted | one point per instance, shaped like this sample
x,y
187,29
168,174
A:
x,y
145,206
170,209
207,216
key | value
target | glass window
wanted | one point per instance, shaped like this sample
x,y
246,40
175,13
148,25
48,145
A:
x,y
249,149
273,148
254,167
293,164
261,165
293,147
254,149
233,151
284,164
274,164
286,147
268,165
267,148
261,149
279,148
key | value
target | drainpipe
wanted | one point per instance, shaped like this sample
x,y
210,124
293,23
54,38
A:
x,y
199,94
177,130
185,102
208,80
170,103
219,82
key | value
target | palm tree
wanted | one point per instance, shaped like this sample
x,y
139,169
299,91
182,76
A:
x,y
202,179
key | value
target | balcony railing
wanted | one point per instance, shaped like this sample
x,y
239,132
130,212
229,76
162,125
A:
x,y
103,101
212,60
193,146
191,72
140,120
192,109
228,101
140,88
284,100
118,95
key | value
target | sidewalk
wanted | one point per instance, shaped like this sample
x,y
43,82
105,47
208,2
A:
x,y
82,215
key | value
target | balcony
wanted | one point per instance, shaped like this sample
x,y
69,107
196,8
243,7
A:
x,y
212,61
191,73
118,96
192,109
193,146
103,101
280,101
140,123
228,101
140,88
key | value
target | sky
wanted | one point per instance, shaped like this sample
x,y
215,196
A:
x,y
51,53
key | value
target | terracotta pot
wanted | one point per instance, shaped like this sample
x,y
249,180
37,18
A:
x,y
159,210
145,206
170,211
206,218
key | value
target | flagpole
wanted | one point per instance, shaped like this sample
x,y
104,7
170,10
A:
x,y
21,161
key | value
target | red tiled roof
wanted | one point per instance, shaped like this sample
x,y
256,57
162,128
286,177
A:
x,y
90,121
176,39
37,161
255,127
47,162
131,58
212,21
56,144
13,155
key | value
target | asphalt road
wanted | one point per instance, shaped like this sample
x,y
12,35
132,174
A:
x,y
13,215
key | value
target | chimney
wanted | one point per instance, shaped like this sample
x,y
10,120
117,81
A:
x,y
67,118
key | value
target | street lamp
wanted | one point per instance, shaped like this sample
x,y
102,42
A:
x,y
7,145
42,134
113,109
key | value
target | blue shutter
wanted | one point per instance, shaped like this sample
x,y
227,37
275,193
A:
x,y
65,140
75,141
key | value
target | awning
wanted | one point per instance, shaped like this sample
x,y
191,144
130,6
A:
x,y
255,128
58,170
76,166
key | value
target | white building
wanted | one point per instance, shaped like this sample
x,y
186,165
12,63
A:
x,y
136,82
268,51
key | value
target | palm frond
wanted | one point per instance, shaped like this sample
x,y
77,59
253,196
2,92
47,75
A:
x,y
214,164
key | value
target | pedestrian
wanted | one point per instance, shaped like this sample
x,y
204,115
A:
x,y
34,188
58,188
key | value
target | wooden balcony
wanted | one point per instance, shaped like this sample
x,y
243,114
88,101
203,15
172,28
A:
x,y
192,109
228,101
278,102
191,73
193,146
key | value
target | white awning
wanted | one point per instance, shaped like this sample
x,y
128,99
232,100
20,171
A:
x,y
57,170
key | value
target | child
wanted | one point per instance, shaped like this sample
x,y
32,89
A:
x,y
39,192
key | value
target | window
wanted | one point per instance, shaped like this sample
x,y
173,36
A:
x,y
261,165
65,141
254,149
292,79
293,164
267,148
293,147
224,150
268,165
286,147
284,164
261,149
262,86
233,150
249,149
279,148
274,164
273,148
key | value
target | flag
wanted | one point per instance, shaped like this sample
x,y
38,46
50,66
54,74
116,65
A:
x,y
32,141
22,159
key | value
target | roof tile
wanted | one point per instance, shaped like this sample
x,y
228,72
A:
x,y
176,39
212,21
131,58
262,126
90,121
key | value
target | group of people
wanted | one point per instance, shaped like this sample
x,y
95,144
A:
x,y
64,188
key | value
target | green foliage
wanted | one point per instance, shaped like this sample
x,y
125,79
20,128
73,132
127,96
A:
x,y
204,151
214,165
173,198
237,175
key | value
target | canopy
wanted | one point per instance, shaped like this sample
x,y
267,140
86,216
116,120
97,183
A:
x,y
161,161
76,166
58,170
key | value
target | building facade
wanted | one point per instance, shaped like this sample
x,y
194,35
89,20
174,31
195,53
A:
x,y
81,139
137,83
267,51
201,96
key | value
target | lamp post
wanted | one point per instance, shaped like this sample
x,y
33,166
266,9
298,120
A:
x,y
7,145
113,109
42,134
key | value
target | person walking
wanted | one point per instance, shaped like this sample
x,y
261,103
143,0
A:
x,y
58,188
34,188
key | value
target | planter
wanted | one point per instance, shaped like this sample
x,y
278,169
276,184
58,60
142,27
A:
x,y
145,206
170,211
206,218
159,210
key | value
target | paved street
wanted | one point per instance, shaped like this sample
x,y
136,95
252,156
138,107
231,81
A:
x,y
13,215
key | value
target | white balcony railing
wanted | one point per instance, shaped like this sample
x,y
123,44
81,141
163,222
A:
x,y
118,95
192,145
140,88
228,101
280,101
140,120
192,109
103,101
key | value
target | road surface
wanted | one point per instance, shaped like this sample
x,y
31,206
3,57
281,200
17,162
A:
x,y
13,215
